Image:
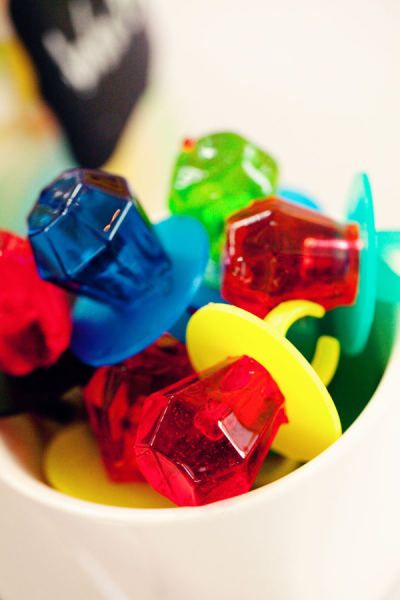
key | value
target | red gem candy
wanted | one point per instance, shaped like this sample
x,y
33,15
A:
x,y
34,315
278,251
114,399
205,438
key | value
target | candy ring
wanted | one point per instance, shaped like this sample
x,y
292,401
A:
x,y
207,294
90,235
218,331
73,453
105,334
277,252
376,280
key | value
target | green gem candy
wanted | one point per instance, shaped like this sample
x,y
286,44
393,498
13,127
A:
x,y
215,176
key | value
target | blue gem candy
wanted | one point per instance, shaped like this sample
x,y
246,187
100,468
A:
x,y
105,335
92,237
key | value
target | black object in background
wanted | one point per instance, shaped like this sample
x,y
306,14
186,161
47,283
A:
x,y
92,59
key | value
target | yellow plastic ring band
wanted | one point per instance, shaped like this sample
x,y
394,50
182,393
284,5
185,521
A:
x,y
218,331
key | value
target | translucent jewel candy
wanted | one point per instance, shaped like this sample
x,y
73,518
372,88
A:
x,y
217,331
204,438
214,176
91,236
114,399
278,251
34,315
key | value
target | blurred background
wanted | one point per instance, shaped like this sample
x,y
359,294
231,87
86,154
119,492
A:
x,y
316,84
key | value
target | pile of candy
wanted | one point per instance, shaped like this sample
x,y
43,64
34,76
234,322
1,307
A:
x,y
88,299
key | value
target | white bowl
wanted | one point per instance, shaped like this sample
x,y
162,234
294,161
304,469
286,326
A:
x,y
329,530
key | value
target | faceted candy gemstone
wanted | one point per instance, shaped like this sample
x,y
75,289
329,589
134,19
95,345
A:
x,y
114,399
215,176
205,438
34,315
91,236
278,251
